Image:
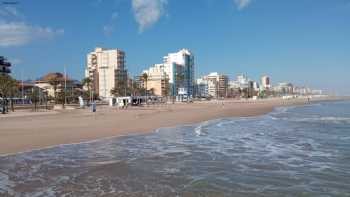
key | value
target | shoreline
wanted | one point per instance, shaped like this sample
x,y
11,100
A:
x,y
21,134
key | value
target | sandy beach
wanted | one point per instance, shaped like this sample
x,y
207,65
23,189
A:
x,y
23,131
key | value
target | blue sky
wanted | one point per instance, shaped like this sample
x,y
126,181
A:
x,y
301,41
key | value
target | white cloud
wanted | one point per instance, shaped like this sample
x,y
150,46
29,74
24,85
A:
x,y
20,33
14,31
108,29
148,12
10,13
241,4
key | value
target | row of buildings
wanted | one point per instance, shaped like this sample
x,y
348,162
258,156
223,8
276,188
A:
x,y
49,85
215,85
175,77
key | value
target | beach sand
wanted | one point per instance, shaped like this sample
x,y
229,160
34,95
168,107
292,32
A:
x,y
23,131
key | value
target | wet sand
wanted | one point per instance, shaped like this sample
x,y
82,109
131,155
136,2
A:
x,y
24,132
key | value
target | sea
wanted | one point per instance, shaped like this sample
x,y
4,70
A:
x,y
292,151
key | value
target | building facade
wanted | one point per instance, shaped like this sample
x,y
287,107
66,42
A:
x,y
61,82
158,80
179,67
265,82
202,88
4,66
217,84
106,69
284,88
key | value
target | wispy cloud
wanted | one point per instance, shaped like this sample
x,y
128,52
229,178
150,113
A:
x,y
241,4
14,31
10,13
19,33
109,28
148,12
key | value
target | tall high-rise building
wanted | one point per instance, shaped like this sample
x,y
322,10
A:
x,y
4,66
157,80
180,68
265,82
106,69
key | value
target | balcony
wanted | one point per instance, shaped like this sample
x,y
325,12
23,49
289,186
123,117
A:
x,y
5,70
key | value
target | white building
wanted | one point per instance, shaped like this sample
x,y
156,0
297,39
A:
x,y
202,88
265,82
179,67
242,81
284,88
256,86
234,85
106,68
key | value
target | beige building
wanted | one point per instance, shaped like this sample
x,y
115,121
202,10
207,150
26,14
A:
x,y
106,69
217,84
158,80
46,83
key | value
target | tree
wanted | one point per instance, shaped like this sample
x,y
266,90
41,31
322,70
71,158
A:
x,y
144,78
8,87
120,89
116,91
151,91
55,81
87,82
35,96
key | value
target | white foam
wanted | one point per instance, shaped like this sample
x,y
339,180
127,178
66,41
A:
x,y
199,129
6,184
327,119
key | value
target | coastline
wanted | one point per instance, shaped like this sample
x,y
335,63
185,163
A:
x,y
25,133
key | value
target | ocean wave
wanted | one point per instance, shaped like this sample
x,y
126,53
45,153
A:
x,y
199,129
327,119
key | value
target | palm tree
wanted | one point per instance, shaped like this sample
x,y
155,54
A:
x,y
7,88
55,81
87,82
144,78
34,96
116,91
151,91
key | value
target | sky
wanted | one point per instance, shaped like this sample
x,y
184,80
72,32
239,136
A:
x,y
305,42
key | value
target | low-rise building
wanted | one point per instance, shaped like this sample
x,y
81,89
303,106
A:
x,y
52,83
